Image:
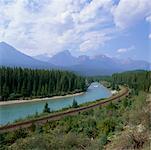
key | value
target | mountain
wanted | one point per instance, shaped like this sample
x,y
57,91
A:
x,y
42,57
131,64
97,65
85,65
9,56
83,58
63,59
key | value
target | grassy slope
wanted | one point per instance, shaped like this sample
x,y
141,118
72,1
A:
x,y
136,133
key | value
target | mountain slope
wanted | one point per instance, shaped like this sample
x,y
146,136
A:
x,y
63,59
9,56
98,65
42,57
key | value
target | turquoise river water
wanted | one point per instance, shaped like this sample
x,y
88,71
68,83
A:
x,y
10,113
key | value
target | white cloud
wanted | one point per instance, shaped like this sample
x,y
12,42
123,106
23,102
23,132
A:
x,y
96,7
148,19
50,26
129,12
124,50
149,36
95,39
121,50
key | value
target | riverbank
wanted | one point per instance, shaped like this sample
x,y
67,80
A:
x,y
37,99
107,85
58,115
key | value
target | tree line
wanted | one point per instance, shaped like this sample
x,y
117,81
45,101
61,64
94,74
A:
x,y
98,78
22,83
138,80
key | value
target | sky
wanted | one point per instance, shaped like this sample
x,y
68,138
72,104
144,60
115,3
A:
x,y
116,28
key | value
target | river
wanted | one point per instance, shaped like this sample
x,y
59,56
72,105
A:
x,y
10,113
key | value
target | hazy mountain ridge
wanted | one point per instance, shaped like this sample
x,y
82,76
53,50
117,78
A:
x,y
97,65
100,64
63,59
42,57
9,56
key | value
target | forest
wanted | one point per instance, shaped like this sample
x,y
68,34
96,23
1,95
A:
x,y
24,83
119,125
136,80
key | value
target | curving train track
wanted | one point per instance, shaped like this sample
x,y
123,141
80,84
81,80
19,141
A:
x,y
39,121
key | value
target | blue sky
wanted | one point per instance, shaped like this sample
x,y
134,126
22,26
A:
x,y
116,28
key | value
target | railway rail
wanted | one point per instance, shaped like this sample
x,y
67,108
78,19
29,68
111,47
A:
x,y
39,121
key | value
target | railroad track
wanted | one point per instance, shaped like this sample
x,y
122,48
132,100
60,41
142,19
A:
x,y
39,121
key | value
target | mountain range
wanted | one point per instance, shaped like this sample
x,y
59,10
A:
x,y
9,56
85,65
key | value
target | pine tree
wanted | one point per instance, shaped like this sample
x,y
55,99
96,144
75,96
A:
x,y
5,92
74,103
46,108
34,89
24,90
19,82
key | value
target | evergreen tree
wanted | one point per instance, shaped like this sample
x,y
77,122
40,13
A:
x,y
34,89
19,82
137,80
5,92
46,108
74,103
24,90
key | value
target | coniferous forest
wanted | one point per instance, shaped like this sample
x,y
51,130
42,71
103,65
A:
x,y
138,80
22,83
114,126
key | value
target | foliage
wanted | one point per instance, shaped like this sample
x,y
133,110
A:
x,y
46,108
90,129
137,126
136,80
74,103
94,128
19,82
99,78
11,137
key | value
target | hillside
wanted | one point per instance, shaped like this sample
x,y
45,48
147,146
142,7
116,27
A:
x,y
9,56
